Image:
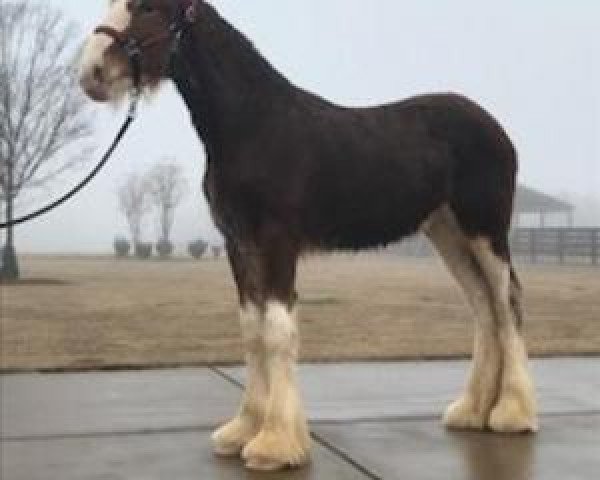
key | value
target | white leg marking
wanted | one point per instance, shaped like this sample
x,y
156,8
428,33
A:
x,y
516,409
471,410
284,439
232,437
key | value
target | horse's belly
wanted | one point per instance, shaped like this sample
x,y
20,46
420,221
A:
x,y
374,215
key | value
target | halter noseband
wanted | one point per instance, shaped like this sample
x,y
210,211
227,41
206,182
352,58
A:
x,y
132,50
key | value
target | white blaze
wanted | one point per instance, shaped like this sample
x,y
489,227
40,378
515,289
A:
x,y
117,18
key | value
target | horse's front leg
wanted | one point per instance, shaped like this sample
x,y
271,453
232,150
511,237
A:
x,y
284,438
232,437
270,426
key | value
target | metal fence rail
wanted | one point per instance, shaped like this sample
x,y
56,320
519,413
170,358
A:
x,y
564,245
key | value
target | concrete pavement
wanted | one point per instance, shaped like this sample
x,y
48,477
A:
x,y
368,421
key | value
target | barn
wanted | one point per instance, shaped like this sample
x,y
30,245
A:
x,y
536,209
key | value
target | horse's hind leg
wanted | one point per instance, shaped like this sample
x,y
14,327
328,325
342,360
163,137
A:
x,y
472,409
515,409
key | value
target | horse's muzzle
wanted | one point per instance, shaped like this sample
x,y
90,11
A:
x,y
93,84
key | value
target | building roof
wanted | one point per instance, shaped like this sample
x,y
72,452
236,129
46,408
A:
x,y
528,200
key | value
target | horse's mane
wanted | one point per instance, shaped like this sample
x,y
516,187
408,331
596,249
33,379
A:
x,y
230,40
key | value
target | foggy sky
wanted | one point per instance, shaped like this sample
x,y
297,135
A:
x,y
534,64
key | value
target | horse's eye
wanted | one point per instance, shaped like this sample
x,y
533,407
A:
x,y
143,6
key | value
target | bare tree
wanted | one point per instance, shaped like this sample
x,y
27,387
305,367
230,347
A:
x,y
167,186
42,111
134,202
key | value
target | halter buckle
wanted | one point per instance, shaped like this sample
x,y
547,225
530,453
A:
x,y
132,48
191,12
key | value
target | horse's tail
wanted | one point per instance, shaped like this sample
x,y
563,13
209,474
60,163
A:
x,y
516,297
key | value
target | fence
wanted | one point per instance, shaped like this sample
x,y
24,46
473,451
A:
x,y
564,245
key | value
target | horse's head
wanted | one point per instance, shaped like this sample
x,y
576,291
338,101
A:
x,y
145,29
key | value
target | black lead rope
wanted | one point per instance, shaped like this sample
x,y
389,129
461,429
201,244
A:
x,y
86,180
133,55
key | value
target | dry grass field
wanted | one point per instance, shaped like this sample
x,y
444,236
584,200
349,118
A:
x,y
86,313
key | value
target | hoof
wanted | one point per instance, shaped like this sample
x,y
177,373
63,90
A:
x,y
462,415
230,439
265,465
512,415
271,451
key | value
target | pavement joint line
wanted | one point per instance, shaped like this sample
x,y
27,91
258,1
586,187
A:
x,y
209,428
399,360
344,456
431,417
571,413
118,433
228,378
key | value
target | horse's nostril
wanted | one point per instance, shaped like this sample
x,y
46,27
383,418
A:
x,y
98,74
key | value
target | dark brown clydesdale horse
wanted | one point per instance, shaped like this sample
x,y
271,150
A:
x,y
288,172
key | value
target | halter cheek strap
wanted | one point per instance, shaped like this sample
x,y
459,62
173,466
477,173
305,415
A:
x,y
190,7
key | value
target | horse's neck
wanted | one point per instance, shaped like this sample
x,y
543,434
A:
x,y
224,81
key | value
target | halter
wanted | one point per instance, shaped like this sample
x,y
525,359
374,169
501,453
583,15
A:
x,y
133,47
133,50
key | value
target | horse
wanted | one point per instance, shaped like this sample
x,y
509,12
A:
x,y
289,173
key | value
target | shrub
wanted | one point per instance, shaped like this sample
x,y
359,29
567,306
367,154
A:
x,y
216,251
164,248
143,250
122,247
197,249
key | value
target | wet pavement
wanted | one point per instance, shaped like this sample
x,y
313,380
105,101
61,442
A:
x,y
368,421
